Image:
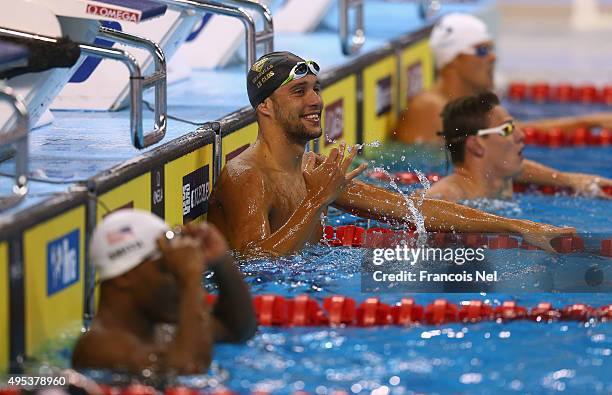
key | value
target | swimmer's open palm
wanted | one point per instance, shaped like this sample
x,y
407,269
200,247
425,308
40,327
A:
x,y
541,235
327,177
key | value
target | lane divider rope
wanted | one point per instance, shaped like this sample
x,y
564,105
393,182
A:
x,y
544,92
410,178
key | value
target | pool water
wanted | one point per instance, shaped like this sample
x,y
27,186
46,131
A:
x,y
488,357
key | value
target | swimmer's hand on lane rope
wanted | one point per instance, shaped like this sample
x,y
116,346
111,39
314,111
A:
x,y
541,235
599,119
182,256
588,184
327,177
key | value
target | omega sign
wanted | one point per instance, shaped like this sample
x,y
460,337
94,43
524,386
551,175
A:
x,y
113,13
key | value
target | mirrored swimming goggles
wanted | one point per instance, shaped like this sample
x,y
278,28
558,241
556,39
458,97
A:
x,y
482,50
506,129
300,70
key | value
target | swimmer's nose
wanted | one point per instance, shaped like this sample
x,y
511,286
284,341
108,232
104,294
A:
x,y
314,99
519,135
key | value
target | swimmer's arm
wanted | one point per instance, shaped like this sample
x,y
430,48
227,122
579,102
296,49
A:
x,y
537,173
568,124
191,350
233,311
246,211
100,349
381,204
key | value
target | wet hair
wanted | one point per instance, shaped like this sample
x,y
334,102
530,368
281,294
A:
x,y
463,117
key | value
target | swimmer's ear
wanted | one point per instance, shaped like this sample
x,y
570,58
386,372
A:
x,y
473,146
265,107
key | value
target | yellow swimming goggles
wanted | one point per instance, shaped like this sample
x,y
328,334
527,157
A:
x,y
300,70
506,129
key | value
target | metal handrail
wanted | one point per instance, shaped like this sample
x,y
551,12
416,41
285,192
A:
x,y
156,80
266,36
217,149
429,8
351,42
252,38
136,79
18,135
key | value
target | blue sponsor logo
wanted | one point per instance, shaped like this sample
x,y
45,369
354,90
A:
x,y
63,262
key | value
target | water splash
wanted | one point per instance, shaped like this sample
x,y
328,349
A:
x,y
417,217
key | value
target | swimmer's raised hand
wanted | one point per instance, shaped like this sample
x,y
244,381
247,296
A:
x,y
326,179
541,235
183,257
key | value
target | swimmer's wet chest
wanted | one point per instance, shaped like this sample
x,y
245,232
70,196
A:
x,y
285,194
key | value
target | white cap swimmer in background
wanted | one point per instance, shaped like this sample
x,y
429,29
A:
x,y
456,34
123,240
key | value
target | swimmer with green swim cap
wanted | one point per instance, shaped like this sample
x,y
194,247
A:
x,y
465,59
486,147
152,276
270,198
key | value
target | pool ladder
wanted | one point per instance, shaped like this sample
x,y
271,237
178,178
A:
x,y
138,82
17,135
429,8
236,9
351,40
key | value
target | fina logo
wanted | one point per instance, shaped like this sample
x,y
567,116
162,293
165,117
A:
x,y
63,262
113,13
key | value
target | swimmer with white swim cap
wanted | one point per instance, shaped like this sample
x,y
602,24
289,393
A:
x,y
270,198
465,58
464,54
149,276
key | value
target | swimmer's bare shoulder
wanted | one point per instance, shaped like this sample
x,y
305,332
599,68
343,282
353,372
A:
x,y
446,189
103,348
239,205
420,121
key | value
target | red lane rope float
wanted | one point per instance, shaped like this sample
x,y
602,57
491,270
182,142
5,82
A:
x,y
543,92
338,310
387,238
556,137
409,178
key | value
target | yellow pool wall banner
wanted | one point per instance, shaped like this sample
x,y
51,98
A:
x,y
4,307
339,117
135,193
379,99
54,267
416,71
238,141
188,182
